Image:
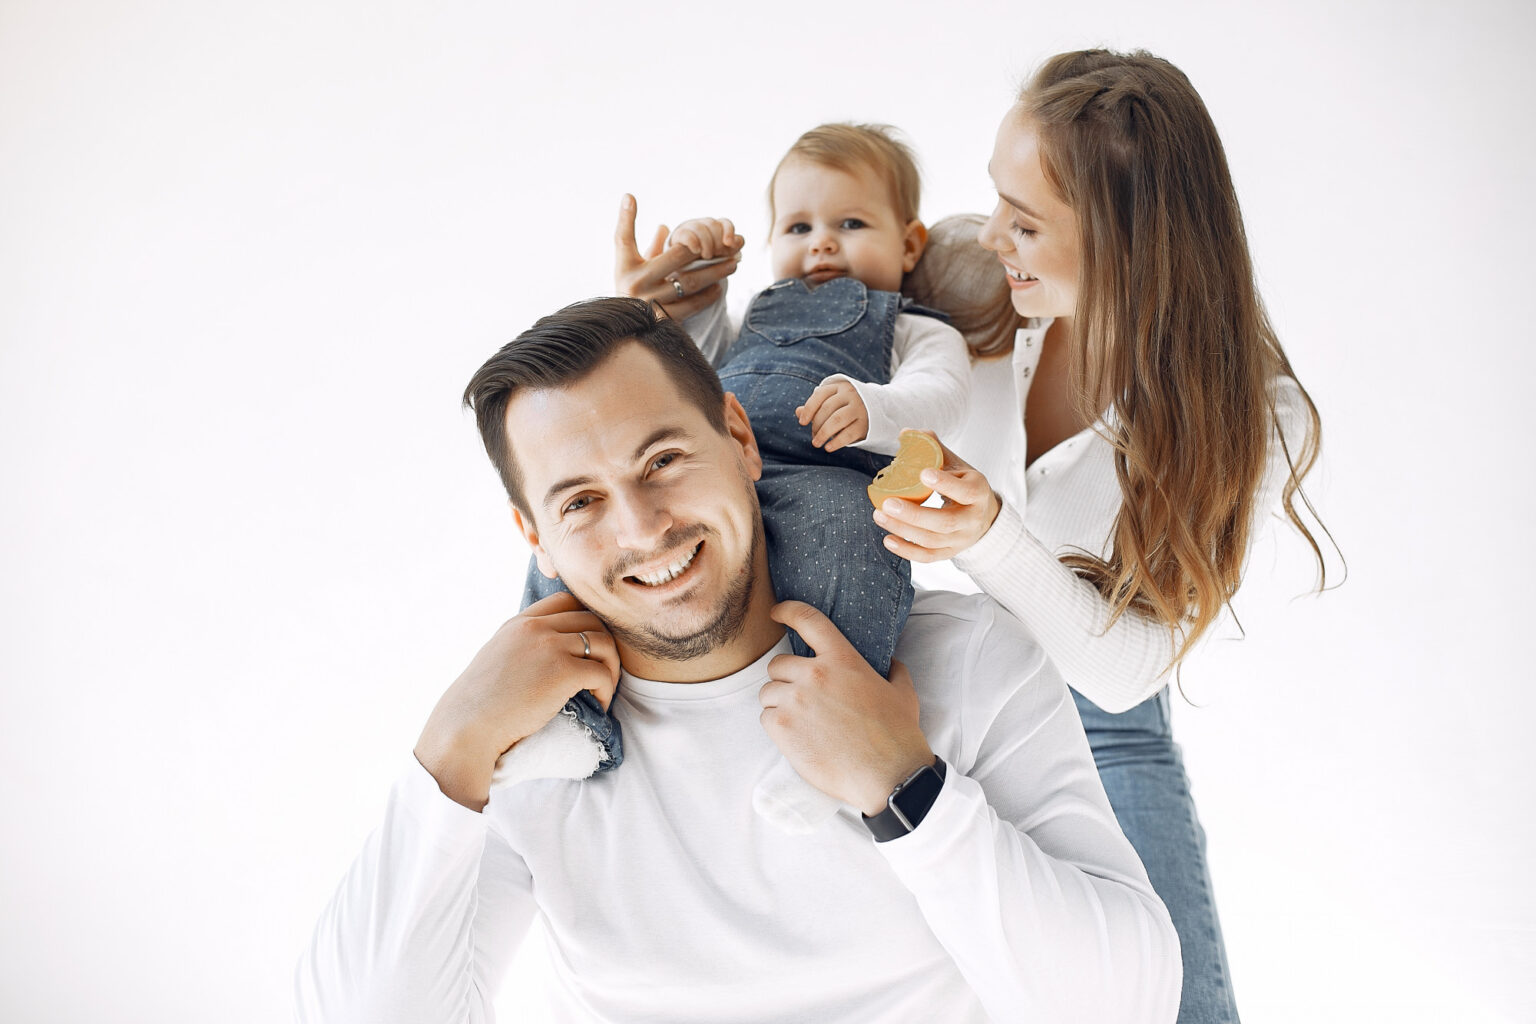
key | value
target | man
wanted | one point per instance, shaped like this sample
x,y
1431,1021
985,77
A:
x,y
977,873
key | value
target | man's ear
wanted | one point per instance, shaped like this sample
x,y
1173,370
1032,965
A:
x,y
740,429
531,535
913,244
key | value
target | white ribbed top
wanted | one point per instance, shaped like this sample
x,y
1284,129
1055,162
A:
x,y
1067,500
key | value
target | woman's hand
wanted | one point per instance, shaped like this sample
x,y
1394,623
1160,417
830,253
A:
x,y
663,275
922,534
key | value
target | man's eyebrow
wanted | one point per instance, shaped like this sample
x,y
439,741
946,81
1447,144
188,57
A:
x,y
658,436
655,438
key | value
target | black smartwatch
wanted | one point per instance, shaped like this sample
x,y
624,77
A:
x,y
908,803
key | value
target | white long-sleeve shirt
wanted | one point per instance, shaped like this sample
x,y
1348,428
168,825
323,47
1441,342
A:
x,y
1065,501
667,898
930,375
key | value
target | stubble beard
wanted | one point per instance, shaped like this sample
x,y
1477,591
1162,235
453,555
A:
x,y
727,623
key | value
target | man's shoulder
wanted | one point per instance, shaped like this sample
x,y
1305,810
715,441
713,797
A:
x,y
949,632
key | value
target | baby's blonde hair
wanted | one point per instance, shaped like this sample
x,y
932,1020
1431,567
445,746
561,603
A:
x,y
846,146
958,277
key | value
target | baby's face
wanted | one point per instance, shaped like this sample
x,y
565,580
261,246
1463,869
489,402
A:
x,y
833,223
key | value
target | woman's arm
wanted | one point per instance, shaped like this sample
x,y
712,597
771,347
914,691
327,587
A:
x,y
1116,668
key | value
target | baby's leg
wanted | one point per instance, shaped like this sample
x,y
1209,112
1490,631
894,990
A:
x,y
825,549
537,586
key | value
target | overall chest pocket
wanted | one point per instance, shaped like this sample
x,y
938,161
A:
x,y
788,312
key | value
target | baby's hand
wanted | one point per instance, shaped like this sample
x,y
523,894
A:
x,y
922,534
709,238
836,415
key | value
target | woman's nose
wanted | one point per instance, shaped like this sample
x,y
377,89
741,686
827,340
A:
x,y
993,235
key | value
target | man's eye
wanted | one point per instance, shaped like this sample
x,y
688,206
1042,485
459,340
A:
x,y
577,505
799,228
853,224
663,461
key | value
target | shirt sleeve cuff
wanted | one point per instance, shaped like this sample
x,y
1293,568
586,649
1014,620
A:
x,y
1006,541
948,822
447,822
884,433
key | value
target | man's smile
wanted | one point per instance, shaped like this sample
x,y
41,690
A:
x,y
667,573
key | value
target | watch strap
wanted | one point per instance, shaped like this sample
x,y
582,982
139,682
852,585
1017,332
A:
x,y
908,803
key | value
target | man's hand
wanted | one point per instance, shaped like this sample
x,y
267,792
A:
x,y
520,679
651,276
836,415
848,732
920,533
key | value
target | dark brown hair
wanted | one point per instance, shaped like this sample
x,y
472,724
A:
x,y
562,348
1172,336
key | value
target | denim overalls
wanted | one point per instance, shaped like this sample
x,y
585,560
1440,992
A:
x,y
823,546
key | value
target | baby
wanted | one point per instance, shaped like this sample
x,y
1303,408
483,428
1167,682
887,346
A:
x,y
830,363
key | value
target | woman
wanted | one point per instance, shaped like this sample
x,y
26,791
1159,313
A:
x,y
1143,424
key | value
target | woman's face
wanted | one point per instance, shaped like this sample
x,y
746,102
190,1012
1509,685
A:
x,y
1033,232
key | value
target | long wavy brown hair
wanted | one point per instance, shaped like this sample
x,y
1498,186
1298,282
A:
x,y
1171,334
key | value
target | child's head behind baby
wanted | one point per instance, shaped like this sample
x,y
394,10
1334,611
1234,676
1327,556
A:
x,y
844,204
958,277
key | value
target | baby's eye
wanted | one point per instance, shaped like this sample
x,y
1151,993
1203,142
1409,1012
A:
x,y
852,224
797,228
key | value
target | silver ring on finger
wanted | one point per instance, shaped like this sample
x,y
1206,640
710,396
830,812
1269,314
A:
x,y
677,286
586,648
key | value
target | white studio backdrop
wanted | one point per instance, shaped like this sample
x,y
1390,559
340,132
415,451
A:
x,y
250,254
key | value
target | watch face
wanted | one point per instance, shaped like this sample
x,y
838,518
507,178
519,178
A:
x,y
912,801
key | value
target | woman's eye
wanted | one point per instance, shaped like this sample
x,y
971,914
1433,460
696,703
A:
x,y
1022,231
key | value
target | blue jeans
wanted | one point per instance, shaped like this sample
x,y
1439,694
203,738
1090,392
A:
x,y
1143,773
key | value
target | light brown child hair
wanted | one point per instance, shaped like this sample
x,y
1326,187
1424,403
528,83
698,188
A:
x,y
958,277
846,146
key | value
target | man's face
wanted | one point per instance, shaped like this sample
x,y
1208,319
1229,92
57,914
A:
x,y
648,514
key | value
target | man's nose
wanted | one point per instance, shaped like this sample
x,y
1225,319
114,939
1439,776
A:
x,y
639,521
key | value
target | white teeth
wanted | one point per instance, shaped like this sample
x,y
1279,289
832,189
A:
x,y
671,572
1018,276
